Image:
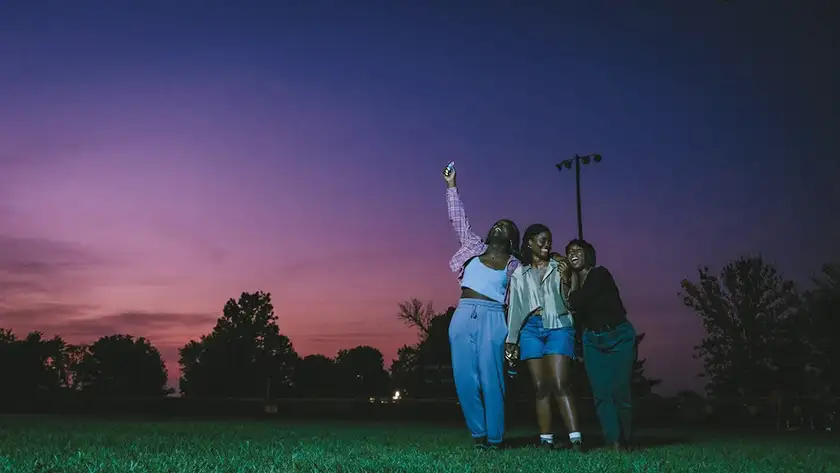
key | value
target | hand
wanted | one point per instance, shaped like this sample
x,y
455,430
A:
x,y
559,258
511,351
564,269
449,176
563,265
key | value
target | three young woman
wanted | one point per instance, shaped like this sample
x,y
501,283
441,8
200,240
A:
x,y
541,295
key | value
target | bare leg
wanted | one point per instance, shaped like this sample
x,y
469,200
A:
x,y
542,389
561,367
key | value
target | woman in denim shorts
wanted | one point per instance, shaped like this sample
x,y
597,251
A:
x,y
541,331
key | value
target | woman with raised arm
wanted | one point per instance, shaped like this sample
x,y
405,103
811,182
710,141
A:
x,y
541,330
609,341
478,330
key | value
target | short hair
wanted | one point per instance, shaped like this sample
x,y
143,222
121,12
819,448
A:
x,y
588,249
526,255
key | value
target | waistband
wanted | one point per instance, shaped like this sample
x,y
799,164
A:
x,y
540,313
562,318
481,303
609,327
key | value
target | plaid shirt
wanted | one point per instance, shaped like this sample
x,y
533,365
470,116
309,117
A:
x,y
471,244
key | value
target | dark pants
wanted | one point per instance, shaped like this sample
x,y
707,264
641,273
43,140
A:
x,y
609,358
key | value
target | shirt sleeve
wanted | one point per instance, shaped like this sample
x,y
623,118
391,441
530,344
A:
x,y
471,244
517,310
596,282
458,218
513,265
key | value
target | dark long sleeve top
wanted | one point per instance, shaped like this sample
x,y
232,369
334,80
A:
x,y
597,303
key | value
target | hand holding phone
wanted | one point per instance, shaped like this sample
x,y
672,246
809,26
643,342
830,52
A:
x,y
449,174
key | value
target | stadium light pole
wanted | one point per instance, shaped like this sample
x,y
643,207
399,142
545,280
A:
x,y
568,165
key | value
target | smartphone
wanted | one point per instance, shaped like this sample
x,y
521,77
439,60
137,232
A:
x,y
450,167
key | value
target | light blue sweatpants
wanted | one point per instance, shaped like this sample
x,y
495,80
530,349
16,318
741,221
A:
x,y
477,336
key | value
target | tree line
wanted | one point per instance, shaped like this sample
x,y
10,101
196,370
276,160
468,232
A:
x,y
35,367
244,356
764,338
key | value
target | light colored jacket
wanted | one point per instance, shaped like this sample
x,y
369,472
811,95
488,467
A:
x,y
527,295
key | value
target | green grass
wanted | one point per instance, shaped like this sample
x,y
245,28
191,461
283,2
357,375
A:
x,y
50,444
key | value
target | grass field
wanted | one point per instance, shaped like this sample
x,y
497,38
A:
x,y
51,444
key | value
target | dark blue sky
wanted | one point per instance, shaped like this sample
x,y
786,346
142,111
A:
x,y
140,133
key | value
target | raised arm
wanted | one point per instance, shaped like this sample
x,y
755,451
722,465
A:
x,y
457,216
471,244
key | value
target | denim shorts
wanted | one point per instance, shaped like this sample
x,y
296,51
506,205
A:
x,y
536,341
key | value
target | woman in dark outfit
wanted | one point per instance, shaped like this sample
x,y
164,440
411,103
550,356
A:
x,y
609,340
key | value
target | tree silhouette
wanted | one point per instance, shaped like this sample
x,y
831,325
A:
x,y
417,314
405,374
73,356
744,311
434,343
434,357
642,385
317,376
36,367
120,366
822,310
244,356
425,369
197,359
362,371
690,400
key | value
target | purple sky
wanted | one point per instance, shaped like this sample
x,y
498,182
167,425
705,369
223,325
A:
x,y
157,160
